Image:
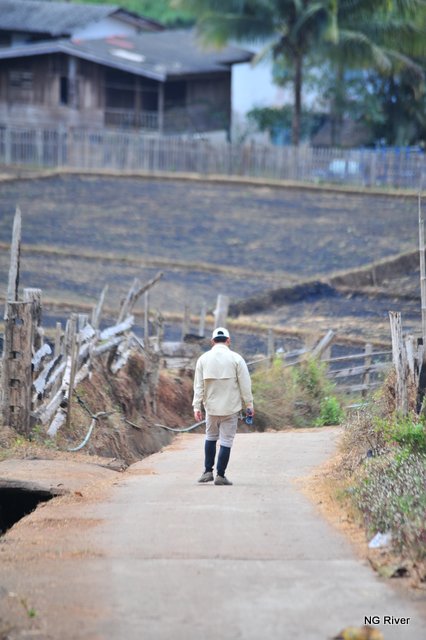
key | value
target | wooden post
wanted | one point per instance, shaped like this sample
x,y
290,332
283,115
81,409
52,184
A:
x,y
34,297
74,361
135,291
271,345
17,374
367,362
160,330
97,311
15,251
58,340
202,324
146,322
185,321
221,311
323,344
70,330
400,363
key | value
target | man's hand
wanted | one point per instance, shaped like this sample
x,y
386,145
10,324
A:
x,y
250,411
198,415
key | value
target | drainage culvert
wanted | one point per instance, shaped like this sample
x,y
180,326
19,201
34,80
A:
x,y
18,499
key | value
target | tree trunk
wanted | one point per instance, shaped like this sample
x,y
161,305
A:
x,y
297,113
337,107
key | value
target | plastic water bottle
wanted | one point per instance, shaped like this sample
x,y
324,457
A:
x,y
249,416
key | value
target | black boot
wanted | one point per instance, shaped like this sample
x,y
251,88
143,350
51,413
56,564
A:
x,y
223,459
209,454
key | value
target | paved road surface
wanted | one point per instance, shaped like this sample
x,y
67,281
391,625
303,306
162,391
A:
x,y
169,559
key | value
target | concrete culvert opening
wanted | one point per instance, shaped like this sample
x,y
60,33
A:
x,y
17,502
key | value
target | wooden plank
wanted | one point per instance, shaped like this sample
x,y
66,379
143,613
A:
x,y
359,370
46,374
135,291
323,344
122,327
357,356
97,311
38,358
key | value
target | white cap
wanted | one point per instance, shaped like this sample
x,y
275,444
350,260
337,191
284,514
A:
x,y
220,332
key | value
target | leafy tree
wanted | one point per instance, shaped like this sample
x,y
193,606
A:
x,y
292,29
161,10
378,41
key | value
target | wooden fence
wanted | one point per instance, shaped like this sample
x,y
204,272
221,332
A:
x,y
352,373
109,149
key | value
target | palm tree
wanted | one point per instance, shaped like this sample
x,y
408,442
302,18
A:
x,y
383,37
293,28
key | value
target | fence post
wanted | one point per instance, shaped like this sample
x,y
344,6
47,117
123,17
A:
x,y
34,297
221,311
15,250
146,321
400,363
185,321
367,363
17,373
202,324
271,345
7,145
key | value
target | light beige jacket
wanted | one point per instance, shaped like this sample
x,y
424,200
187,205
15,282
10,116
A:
x,y
222,382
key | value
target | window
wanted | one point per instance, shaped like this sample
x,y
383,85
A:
x,y
175,94
21,80
64,90
20,86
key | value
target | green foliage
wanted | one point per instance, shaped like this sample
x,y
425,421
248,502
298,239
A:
x,y
408,433
273,120
299,396
163,11
331,412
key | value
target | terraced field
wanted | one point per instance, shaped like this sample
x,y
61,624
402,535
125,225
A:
x,y
81,232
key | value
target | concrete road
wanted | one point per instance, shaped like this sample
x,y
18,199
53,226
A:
x,y
161,557
252,561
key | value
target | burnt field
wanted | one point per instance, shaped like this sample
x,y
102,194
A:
x,y
81,232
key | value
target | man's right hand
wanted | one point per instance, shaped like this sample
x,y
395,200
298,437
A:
x,y
198,415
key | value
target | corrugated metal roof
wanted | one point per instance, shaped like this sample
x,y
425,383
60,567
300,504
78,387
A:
x,y
160,56
57,19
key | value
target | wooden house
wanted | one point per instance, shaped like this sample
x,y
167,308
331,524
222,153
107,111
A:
x,y
161,81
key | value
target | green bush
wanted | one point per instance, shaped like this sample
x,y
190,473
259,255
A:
x,y
407,432
331,412
298,396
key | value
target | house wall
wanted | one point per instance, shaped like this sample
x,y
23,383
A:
x,y
58,90
50,90
207,108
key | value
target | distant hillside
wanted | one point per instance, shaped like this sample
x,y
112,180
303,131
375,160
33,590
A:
x,y
156,9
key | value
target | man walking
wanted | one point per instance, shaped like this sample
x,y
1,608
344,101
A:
x,y
222,384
